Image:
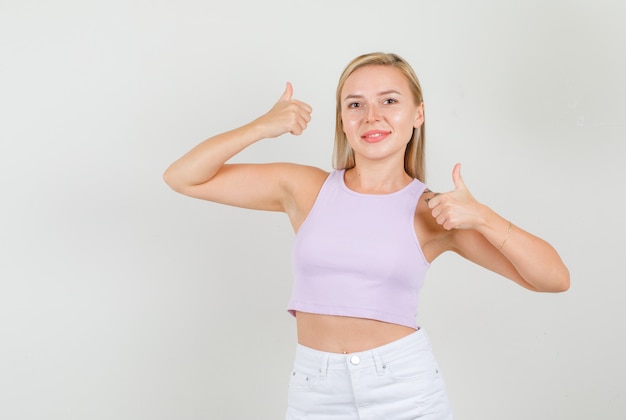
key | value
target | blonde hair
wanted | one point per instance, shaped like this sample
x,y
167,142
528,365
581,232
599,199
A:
x,y
343,155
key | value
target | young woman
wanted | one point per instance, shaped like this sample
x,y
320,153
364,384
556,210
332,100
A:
x,y
365,235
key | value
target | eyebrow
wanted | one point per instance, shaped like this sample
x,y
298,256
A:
x,y
383,93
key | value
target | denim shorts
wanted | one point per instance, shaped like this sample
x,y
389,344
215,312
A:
x,y
398,381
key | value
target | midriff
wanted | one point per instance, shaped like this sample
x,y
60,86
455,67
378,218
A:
x,y
342,334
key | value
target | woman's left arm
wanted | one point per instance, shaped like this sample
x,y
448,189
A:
x,y
484,237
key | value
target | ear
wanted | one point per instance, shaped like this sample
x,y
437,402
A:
x,y
419,116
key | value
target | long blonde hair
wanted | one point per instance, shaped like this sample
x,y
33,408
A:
x,y
343,155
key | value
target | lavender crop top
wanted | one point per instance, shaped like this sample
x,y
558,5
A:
x,y
358,255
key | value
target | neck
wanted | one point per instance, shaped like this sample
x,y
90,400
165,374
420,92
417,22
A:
x,y
376,179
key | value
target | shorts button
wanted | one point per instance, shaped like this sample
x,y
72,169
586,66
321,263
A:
x,y
355,360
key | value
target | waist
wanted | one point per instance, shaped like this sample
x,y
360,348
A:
x,y
342,334
409,345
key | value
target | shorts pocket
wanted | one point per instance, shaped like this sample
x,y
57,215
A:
x,y
421,365
301,380
306,391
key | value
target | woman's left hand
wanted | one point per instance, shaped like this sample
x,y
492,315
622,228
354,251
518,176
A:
x,y
489,240
457,209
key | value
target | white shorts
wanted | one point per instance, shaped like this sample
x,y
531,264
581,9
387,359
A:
x,y
400,380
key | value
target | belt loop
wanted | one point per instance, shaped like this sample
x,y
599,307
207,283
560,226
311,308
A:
x,y
324,366
380,364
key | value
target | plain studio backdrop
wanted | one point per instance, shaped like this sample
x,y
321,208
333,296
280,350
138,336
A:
x,y
120,299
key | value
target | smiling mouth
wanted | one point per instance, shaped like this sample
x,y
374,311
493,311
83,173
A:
x,y
374,136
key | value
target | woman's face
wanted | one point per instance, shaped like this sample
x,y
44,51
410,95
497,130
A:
x,y
378,112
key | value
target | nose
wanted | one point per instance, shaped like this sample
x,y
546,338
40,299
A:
x,y
373,114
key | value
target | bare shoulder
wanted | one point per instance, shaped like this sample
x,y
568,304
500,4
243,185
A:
x,y
303,183
301,170
302,173
433,238
299,179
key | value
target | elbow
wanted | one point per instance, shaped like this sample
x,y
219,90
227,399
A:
x,y
556,281
167,178
564,283
170,179
560,281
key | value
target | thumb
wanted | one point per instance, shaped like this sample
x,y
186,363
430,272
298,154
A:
x,y
287,94
457,178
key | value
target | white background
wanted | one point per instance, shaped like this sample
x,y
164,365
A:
x,y
120,299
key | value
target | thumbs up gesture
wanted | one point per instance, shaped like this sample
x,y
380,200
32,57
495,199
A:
x,y
456,209
286,116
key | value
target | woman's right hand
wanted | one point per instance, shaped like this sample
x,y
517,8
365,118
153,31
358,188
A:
x,y
286,116
203,172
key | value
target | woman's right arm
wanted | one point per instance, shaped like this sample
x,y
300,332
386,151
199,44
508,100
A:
x,y
203,172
